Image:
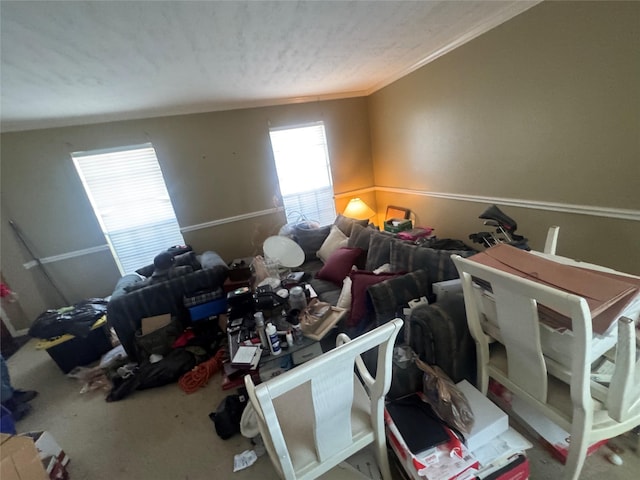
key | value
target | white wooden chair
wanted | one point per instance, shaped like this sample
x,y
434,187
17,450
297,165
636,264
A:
x,y
589,411
320,413
551,242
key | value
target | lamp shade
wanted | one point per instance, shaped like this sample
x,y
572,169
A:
x,y
359,210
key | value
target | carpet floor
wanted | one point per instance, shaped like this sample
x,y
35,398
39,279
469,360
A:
x,y
164,433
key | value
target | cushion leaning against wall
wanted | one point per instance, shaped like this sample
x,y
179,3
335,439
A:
x,y
438,263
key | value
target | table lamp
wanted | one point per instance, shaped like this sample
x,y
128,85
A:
x,y
359,210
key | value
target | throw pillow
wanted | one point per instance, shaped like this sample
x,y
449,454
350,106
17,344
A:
x,y
360,281
390,296
345,224
211,259
360,236
334,241
188,259
339,264
311,239
379,251
437,263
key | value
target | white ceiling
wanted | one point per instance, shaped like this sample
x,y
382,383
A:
x,y
74,62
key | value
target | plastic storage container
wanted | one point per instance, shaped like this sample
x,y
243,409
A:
x,y
274,341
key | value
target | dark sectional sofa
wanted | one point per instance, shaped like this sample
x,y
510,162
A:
x,y
437,332
136,296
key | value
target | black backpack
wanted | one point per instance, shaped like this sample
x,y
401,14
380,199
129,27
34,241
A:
x,y
227,416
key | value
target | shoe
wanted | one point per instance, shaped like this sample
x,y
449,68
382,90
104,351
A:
x,y
21,411
24,396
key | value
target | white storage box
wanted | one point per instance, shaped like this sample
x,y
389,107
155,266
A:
x,y
489,420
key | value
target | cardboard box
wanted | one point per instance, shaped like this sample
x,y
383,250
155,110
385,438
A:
x,y
489,420
19,459
53,457
501,449
395,225
32,456
447,461
607,294
553,437
553,341
517,468
447,289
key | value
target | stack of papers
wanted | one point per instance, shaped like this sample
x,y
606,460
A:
x,y
247,356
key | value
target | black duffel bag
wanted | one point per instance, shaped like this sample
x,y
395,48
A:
x,y
74,320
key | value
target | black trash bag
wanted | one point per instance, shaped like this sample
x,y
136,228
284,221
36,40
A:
x,y
76,320
151,375
227,416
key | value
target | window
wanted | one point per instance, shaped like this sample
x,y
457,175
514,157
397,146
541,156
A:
x,y
302,163
130,199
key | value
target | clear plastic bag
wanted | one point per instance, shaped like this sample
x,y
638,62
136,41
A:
x,y
449,403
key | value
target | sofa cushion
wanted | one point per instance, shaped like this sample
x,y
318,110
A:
x,y
437,263
189,259
388,297
311,239
345,224
339,264
379,251
334,241
210,259
360,281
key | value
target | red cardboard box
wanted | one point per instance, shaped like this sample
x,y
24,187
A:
x,y
448,461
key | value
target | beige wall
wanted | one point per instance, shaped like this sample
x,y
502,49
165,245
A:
x,y
544,108
216,165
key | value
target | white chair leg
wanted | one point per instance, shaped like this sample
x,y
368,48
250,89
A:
x,y
383,459
380,441
578,445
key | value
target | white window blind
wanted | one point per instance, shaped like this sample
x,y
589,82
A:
x,y
304,174
130,199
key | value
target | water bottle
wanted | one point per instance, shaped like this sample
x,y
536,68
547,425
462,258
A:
x,y
274,341
259,318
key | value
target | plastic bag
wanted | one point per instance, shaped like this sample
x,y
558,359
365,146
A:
x,y
449,403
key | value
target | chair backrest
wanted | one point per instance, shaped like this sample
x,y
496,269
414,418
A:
x,y
519,303
551,242
331,378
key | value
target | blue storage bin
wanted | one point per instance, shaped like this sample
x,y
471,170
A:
x,y
208,309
